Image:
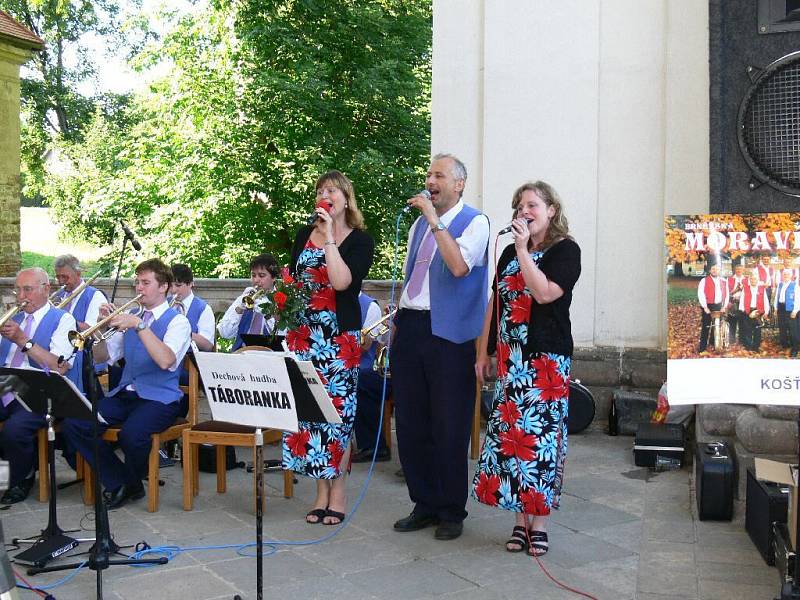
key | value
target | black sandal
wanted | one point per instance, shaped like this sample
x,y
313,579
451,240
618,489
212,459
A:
x,y
518,542
318,514
334,515
539,545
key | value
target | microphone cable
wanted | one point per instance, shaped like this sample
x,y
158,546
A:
x,y
502,373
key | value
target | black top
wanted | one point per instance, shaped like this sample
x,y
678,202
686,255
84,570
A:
x,y
357,251
549,329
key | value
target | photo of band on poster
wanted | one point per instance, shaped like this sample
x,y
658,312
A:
x,y
733,308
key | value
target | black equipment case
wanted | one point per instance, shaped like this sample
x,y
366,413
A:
x,y
715,481
659,445
767,503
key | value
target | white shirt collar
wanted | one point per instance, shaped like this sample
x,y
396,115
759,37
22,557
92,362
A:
x,y
159,310
447,217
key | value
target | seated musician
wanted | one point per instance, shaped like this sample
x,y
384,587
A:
x,y
239,319
35,338
147,399
753,308
85,306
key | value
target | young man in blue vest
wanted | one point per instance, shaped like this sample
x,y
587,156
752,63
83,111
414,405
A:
x,y
35,338
433,353
86,306
147,399
370,390
239,319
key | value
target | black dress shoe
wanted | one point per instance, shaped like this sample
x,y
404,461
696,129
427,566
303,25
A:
x,y
17,493
120,496
415,522
365,455
449,530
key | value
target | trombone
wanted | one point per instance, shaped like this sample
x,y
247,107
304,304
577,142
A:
x,y
76,292
250,299
78,338
11,312
54,296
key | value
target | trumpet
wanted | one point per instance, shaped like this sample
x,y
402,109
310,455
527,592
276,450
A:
x,y
11,312
76,292
378,328
78,338
250,299
54,296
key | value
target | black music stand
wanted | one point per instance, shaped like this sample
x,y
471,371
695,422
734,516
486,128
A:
x,y
104,546
273,342
55,397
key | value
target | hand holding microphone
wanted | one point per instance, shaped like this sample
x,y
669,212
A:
x,y
424,196
323,204
510,228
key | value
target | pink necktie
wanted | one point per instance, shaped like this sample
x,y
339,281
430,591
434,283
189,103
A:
x,y
257,324
19,356
180,308
147,318
421,265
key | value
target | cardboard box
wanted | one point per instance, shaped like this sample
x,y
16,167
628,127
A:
x,y
771,470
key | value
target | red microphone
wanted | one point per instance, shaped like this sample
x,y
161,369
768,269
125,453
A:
x,y
321,203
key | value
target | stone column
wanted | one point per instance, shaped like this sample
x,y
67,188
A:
x,y
11,57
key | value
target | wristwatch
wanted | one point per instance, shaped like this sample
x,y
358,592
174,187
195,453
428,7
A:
x,y
140,326
27,346
438,227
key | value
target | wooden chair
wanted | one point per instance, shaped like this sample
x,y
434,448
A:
x,y
221,435
171,433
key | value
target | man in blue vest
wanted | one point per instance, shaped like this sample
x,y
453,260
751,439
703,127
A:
x,y
433,353
370,390
239,319
85,307
35,338
786,302
147,399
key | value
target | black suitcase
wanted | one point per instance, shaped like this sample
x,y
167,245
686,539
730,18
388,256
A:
x,y
715,481
767,503
659,445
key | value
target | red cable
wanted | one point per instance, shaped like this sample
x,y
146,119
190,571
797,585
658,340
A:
x,y
501,373
30,587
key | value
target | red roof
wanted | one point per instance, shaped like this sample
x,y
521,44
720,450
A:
x,y
18,34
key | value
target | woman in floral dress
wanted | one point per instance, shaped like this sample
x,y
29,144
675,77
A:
x,y
522,462
330,257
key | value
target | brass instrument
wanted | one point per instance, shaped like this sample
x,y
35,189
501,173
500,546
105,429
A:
x,y
76,292
250,299
381,364
720,328
11,312
56,294
381,325
78,338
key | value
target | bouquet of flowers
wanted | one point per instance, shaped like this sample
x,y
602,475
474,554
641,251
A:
x,y
285,302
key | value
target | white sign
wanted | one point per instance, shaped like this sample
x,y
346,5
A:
x,y
320,394
251,388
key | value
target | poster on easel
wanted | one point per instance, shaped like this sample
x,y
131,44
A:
x,y
733,308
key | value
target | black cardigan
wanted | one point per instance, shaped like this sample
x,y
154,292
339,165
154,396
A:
x,y
357,251
549,328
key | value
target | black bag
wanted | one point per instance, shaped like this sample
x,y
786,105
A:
x,y
767,503
207,459
715,481
659,445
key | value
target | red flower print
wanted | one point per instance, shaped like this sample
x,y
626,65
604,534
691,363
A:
x,y
319,275
534,503
297,442
280,300
336,450
551,384
324,299
545,364
515,442
503,352
509,413
514,283
338,403
349,350
521,309
297,339
486,489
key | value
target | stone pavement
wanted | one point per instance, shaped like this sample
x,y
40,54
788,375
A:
x,y
622,533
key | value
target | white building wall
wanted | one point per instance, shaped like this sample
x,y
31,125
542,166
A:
x,y
608,102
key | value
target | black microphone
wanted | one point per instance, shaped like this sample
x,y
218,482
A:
x,y
407,208
509,228
129,234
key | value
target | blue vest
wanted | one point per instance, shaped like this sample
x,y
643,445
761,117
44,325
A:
x,y
244,327
458,304
151,381
81,307
789,295
42,337
367,357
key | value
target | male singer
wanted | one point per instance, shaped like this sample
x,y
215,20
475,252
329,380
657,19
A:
x,y
433,352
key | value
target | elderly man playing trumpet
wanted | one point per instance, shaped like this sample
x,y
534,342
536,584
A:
x,y
147,399
77,296
33,336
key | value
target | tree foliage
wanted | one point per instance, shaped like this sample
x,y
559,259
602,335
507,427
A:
x,y
218,160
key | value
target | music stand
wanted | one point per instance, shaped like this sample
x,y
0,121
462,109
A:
x,y
104,546
55,397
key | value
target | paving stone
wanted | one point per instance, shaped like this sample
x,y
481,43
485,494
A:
x,y
415,579
723,590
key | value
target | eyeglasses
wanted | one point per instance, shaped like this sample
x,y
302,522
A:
x,y
27,288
